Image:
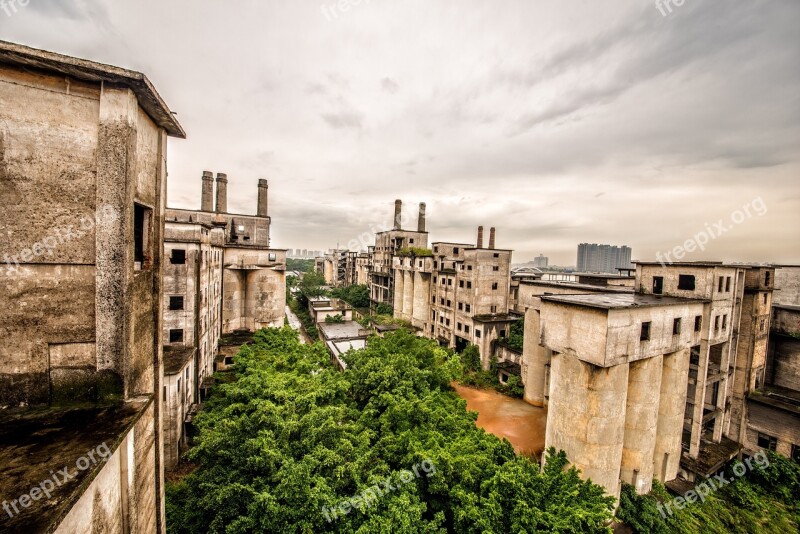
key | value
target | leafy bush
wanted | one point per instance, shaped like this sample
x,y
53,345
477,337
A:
x,y
334,319
383,309
416,252
292,435
357,296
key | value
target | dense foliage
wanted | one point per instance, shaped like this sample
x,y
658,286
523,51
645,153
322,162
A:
x,y
303,266
383,309
292,435
765,501
514,341
357,296
474,375
417,252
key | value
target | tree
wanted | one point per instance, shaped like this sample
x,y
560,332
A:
x,y
292,438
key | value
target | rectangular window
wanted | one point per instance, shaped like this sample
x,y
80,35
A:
x,y
496,254
658,285
724,321
433,300
765,299
449,281
644,335
765,441
698,323
721,284
458,326
494,286
477,333
796,453
460,306
449,305
164,393
686,282
495,268
469,285
469,308
728,284
469,267
766,278
716,323
455,250
676,327
447,322
142,237
493,309
176,336
460,283
272,257
176,303
179,385
178,256
466,329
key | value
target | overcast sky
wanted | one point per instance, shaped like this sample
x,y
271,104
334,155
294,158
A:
x,y
556,121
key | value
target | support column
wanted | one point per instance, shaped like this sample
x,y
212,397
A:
x,y
399,290
671,408
641,417
586,417
535,359
422,299
408,295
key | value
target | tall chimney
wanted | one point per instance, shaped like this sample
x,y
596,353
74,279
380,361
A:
x,y
263,190
421,220
398,214
207,199
222,192
491,237
480,237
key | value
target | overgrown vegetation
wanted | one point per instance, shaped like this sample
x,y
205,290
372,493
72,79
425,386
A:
x,y
356,296
417,252
473,375
516,334
383,309
292,435
763,501
303,266
334,319
299,306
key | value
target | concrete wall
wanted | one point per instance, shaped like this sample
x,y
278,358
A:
x,y
787,283
179,389
120,498
254,289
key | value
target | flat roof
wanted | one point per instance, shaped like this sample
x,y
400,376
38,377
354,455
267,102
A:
x,y
175,358
91,71
577,285
703,264
336,331
791,307
610,301
608,275
36,442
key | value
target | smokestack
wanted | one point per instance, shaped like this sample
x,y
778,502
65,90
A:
x,y
398,214
421,221
222,192
263,190
207,198
491,237
480,237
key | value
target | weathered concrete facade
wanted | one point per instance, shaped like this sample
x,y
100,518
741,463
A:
x,y
83,173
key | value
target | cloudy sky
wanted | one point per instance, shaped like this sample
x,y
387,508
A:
x,y
556,121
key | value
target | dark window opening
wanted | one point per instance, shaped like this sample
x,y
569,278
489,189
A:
x,y
766,278
721,284
728,284
658,285
176,303
765,441
178,256
176,336
644,335
676,327
686,282
494,286
142,236
698,323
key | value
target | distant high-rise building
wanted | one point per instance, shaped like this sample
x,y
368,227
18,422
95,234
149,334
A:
x,y
594,258
541,261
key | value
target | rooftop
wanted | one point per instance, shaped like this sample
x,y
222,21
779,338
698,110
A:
x,y
345,330
576,285
90,71
175,358
35,443
618,300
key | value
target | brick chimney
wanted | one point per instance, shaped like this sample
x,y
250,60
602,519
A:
x,y
480,237
207,199
398,214
421,220
491,237
263,190
222,192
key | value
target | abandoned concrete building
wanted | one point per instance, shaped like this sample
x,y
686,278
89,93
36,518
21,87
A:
x,y
680,356
220,277
83,154
387,245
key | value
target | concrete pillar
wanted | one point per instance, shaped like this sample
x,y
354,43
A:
x,y
263,206
491,237
207,200
116,180
408,295
671,408
422,299
586,417
641,417
535,359
421,220
480,237
398,214
222,193
399,293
